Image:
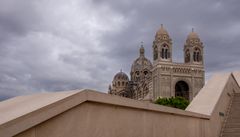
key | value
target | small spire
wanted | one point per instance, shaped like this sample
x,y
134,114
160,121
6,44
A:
x,y
193,35
120,70
141,49
161,31
141,44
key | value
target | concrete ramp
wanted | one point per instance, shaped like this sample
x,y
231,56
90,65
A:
x,y
232,124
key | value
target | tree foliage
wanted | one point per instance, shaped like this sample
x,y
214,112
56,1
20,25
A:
x,y
176,102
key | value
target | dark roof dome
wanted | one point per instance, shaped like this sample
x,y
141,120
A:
x,y
121,76
141,62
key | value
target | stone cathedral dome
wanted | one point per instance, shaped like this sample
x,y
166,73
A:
x,y
140,65
121,76
119,83
141,62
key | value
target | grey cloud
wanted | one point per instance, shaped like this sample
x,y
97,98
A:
x,y
16,17
61,45
213,20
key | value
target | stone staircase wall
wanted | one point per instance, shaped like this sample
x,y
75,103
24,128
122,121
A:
x,y
232,126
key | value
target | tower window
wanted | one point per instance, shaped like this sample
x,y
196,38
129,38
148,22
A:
x,y
165,53
187,56
197,55
162,53
155,54
145,72
137,73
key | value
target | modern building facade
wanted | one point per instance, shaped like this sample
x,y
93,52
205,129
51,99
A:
x,y
162,77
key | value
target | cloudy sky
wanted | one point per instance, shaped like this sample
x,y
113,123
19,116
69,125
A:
x,y
54,45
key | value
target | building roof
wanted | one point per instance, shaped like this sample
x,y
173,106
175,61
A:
x,y
21,105
236,75
21,113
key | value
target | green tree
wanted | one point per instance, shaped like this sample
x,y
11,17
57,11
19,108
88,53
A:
x,y
176,102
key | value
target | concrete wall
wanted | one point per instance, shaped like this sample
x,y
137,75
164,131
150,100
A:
x,y
92,119
221,106
213,99
93,114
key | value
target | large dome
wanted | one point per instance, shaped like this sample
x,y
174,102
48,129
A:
x,y
121,76
141,63
141,67
120,82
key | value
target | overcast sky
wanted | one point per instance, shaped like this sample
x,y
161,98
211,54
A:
x,y
54,45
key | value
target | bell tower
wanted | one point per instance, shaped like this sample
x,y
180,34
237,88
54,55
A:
x,y
162,46
164,78
193,49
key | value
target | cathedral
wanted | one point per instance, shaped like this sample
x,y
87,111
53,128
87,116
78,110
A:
x,y
162,77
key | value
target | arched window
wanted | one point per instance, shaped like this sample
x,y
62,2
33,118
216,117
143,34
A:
x,y
197,57
187,56
118,83
165,53
194,56
162,53
145,72
155,54
137,73
182,89
122,83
